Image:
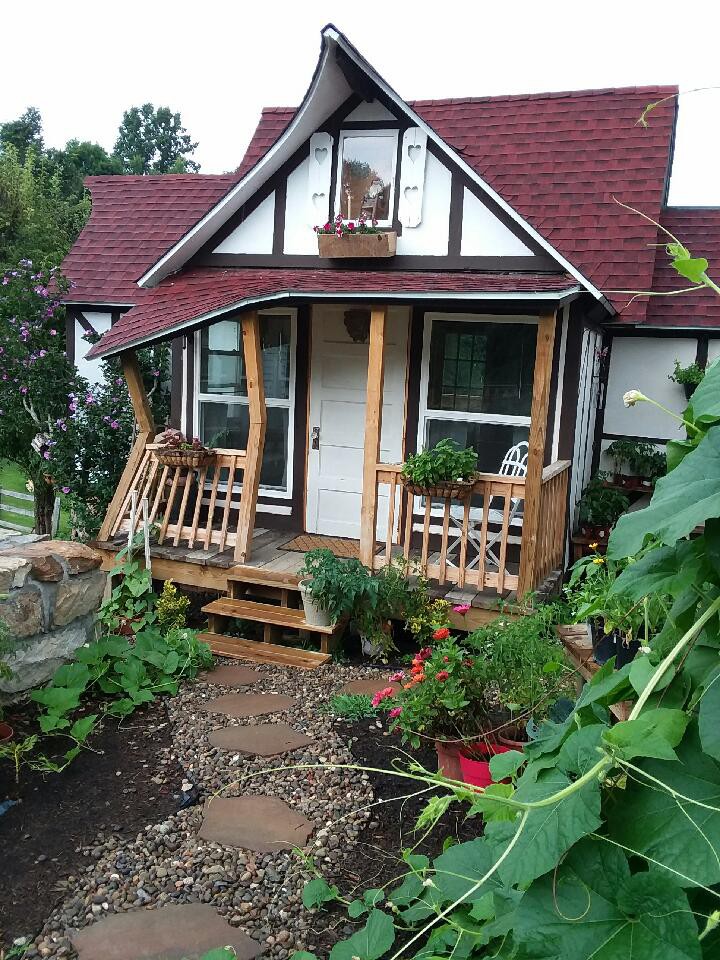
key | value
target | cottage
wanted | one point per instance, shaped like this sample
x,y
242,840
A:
x,y
489,305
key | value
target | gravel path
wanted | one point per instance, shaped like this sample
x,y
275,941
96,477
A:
x,y
260,893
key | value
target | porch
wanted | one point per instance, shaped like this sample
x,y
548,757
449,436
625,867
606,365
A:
x,y
507,536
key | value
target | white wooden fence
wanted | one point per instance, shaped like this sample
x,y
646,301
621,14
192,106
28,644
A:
x,y
7,505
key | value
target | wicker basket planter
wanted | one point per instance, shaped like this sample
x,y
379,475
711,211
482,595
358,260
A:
x,y
332,247
448,490
177,457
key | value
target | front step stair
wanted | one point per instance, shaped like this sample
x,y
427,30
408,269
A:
x,y
245,584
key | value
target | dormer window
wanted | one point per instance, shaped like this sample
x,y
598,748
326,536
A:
x,y
366,181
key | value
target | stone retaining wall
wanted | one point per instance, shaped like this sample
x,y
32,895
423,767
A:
x,y
53,590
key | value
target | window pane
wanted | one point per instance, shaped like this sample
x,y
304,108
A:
x,y
226,425
222,368
491,440
480,367
366,183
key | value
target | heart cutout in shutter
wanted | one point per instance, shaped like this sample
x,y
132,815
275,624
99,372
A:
x,y
320,155
319,200
411,194
414,151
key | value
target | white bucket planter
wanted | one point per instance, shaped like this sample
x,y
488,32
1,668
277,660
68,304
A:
x,y
370,649
314,614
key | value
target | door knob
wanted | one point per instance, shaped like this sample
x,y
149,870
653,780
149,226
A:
x,y
315,438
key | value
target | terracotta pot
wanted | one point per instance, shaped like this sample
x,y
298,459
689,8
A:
x,y
448,755
477,772
510,744
595,532
6,732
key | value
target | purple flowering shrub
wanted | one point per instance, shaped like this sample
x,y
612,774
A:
x,y
68,437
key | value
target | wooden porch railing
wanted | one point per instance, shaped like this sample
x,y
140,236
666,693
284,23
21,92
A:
x,y
190,506
465,542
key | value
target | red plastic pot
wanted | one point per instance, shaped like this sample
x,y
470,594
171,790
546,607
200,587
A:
x,y
477,772
6,732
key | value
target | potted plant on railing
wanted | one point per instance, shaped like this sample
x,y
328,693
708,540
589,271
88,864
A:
x,y
175,450
688,377
445,471
644,461
354,238
599,509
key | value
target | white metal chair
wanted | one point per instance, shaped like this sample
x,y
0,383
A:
x,y
514,464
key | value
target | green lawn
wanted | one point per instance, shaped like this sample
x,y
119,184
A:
x,y
12,478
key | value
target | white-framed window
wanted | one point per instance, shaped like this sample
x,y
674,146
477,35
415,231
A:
x,y
366,175
221,407
476,383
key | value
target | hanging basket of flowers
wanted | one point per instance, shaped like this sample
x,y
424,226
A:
x,y
350,238
175,451
446,472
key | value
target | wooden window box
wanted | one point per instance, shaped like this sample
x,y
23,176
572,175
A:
x,y
358,245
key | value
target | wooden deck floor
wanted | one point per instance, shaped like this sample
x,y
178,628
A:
x,y
267,554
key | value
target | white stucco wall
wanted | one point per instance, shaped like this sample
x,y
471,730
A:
x,y
255,234
299,236
430,237
100,322
483,235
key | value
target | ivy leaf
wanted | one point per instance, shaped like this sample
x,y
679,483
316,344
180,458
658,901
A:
x,y
608,686
82,728
121,708
691,267
591,907
317,892
356,909
486,806
51,721
709,716
72,675
57,699
642,669
653,734
506,764
549,831
677,834
370,943
581,749
459,869
686,497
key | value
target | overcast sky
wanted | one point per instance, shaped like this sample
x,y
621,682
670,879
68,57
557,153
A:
x,y
82,62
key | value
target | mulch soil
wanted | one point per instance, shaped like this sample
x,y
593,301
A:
x,y
107,791
375,861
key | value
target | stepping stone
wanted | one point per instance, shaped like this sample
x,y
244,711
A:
x,y
168,933
260,824
232,676
260,740
243,705
369,686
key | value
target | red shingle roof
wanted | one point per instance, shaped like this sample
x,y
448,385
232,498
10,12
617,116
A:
x,y
559,159
195,293
699,230
133,221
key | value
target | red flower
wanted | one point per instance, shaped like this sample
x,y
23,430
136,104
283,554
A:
x,y
327,226
446,659
442,675
351,226
425,653
442,634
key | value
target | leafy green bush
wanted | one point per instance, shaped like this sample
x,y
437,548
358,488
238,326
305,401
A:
x,y
600,506
691,374
443,463
338,584
172,607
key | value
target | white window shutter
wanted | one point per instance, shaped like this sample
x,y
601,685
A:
x,y
412,177
319,168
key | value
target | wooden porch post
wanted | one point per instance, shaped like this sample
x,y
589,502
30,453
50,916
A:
x,y
536,454
252,354
373,428
145,435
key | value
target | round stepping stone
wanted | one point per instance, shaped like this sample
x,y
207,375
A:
x,y
228,675
168,933
260,824
369,686
260,739
243,705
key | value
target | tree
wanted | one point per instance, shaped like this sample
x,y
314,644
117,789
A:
x,y
153,140
24,134
80,159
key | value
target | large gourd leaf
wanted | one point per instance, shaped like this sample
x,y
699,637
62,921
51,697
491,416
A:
x,y
664,570
705,404
370,943
549,831
709,715
676,833
591,908
686,497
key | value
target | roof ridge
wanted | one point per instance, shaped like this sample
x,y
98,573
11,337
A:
x,y
154,177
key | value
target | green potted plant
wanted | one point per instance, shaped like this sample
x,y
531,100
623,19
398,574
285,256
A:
x,y
446,471
389,596
333,587
688,377
644,461
599,508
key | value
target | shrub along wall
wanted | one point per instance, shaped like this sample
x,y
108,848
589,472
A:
x,y
52,592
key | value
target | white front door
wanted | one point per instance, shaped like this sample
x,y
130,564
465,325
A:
x,y
336,425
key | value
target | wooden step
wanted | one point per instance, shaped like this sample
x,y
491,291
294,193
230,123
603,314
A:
x,y
263,578
258,652
265,613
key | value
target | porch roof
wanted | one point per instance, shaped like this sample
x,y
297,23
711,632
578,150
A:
x,y
205,293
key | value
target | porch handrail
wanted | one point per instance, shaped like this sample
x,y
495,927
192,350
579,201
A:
x,y
551,540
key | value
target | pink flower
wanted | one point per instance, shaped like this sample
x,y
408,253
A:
x,y
53,333
397,677
394,713
442,675
382,695
425,653
461,608
351,225
65,489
